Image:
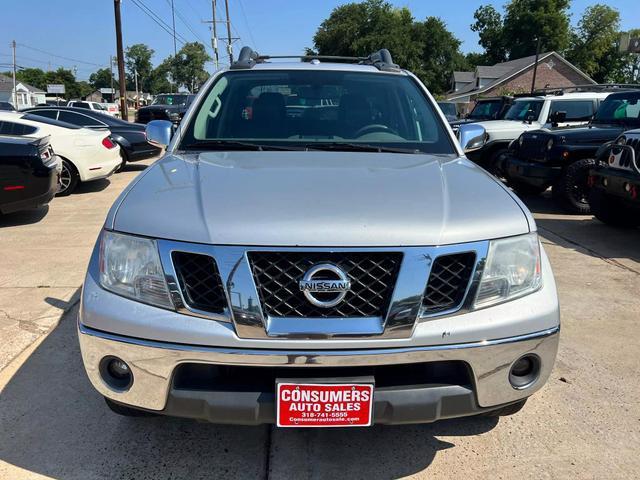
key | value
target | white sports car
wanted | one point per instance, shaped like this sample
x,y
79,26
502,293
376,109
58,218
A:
x,y
86,154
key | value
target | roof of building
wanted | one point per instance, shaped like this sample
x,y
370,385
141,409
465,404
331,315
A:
x,y
6,85
463,77
501,72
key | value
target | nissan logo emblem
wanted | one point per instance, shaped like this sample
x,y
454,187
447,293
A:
x,y
325,285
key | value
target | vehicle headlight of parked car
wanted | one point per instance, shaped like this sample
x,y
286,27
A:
x,y
173,116
512,270
130,266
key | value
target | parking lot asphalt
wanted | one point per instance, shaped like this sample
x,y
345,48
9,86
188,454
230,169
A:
x,y
585,423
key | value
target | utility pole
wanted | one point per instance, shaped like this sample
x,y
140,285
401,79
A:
x,y
120,57
535,67
214,38
15,92
175,50
229,39
135,75
113,96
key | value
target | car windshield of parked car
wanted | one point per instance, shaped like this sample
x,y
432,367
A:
x,y
522,109
617,109
300,109
486,110
170,100
448,108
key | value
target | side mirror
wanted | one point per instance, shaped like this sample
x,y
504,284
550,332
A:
x,y
557,117
159,132
530,117
472,137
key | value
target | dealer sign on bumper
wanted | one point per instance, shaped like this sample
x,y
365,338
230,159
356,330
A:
x,y
324,405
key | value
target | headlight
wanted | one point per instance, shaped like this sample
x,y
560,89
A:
x,y
550,144
512,270
174,116
520,140
130,266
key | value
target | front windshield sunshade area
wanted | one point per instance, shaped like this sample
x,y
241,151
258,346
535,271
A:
x,y
524,109
620,109
304,109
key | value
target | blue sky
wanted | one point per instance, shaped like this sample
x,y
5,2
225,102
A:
x,y
83,30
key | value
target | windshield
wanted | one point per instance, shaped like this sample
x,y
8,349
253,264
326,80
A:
x,y
171,100
315,109
620,109
521,109
448,108
486,110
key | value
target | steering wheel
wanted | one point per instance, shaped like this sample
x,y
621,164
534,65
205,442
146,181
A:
x,y
376,127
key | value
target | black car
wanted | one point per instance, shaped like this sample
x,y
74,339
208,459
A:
x,y
6,106
615,182
130,136
166,106
489,108
29,173
562,157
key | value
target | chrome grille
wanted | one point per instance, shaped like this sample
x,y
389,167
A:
x,y
372,276
448,281
199,281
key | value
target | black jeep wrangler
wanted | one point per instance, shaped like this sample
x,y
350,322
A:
x,y
562,157
615,182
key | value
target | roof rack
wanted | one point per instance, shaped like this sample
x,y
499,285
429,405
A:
x,y
381,59
579,88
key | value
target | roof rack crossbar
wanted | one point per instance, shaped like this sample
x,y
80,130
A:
x,y
590,87
381,59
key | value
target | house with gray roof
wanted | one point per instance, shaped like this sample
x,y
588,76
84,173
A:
x,y
515,76
26,95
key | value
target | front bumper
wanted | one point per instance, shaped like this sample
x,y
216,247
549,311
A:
x,y
153,365
620,183
531,173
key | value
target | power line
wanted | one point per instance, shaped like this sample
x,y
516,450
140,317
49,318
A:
x,y
58,56
244,15
188,25
161,23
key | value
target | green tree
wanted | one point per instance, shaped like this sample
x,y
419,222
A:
x,y
159,82
101,78
527,20
490,29
138,58
66,77
189,66
594,44
35,77
358,29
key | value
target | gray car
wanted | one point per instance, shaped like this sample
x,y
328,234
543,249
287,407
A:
x,y
315,250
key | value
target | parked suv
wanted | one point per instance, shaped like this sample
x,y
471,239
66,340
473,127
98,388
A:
x,y
562,157
166,106
488,108
532,113
615,182
338,266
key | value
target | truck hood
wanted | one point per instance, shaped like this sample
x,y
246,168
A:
x,y
318,199
591,134
504,125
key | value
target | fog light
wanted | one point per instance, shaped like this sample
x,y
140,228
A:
x,y
524,371
116,373
605,182
627,187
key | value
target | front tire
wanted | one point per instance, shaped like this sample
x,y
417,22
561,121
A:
x,y
495,165
69,178
610,210
571,190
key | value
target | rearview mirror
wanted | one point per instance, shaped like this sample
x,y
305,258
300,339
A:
x,y
472,137
159,132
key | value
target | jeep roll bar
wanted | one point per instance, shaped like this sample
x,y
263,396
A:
x,y
381,59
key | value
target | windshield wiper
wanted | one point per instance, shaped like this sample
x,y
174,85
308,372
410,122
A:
x,y
234,145
357,147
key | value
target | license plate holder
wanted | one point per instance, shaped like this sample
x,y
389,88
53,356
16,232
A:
x,y
314,403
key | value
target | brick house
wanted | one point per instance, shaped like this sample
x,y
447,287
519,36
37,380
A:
x,y
514,76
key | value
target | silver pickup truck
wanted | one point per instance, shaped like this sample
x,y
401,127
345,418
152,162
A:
x,y
315,250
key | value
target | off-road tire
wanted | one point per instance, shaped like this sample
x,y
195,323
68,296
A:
x,y
127,411
69,178
507,410
493,166
610,210
571,189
